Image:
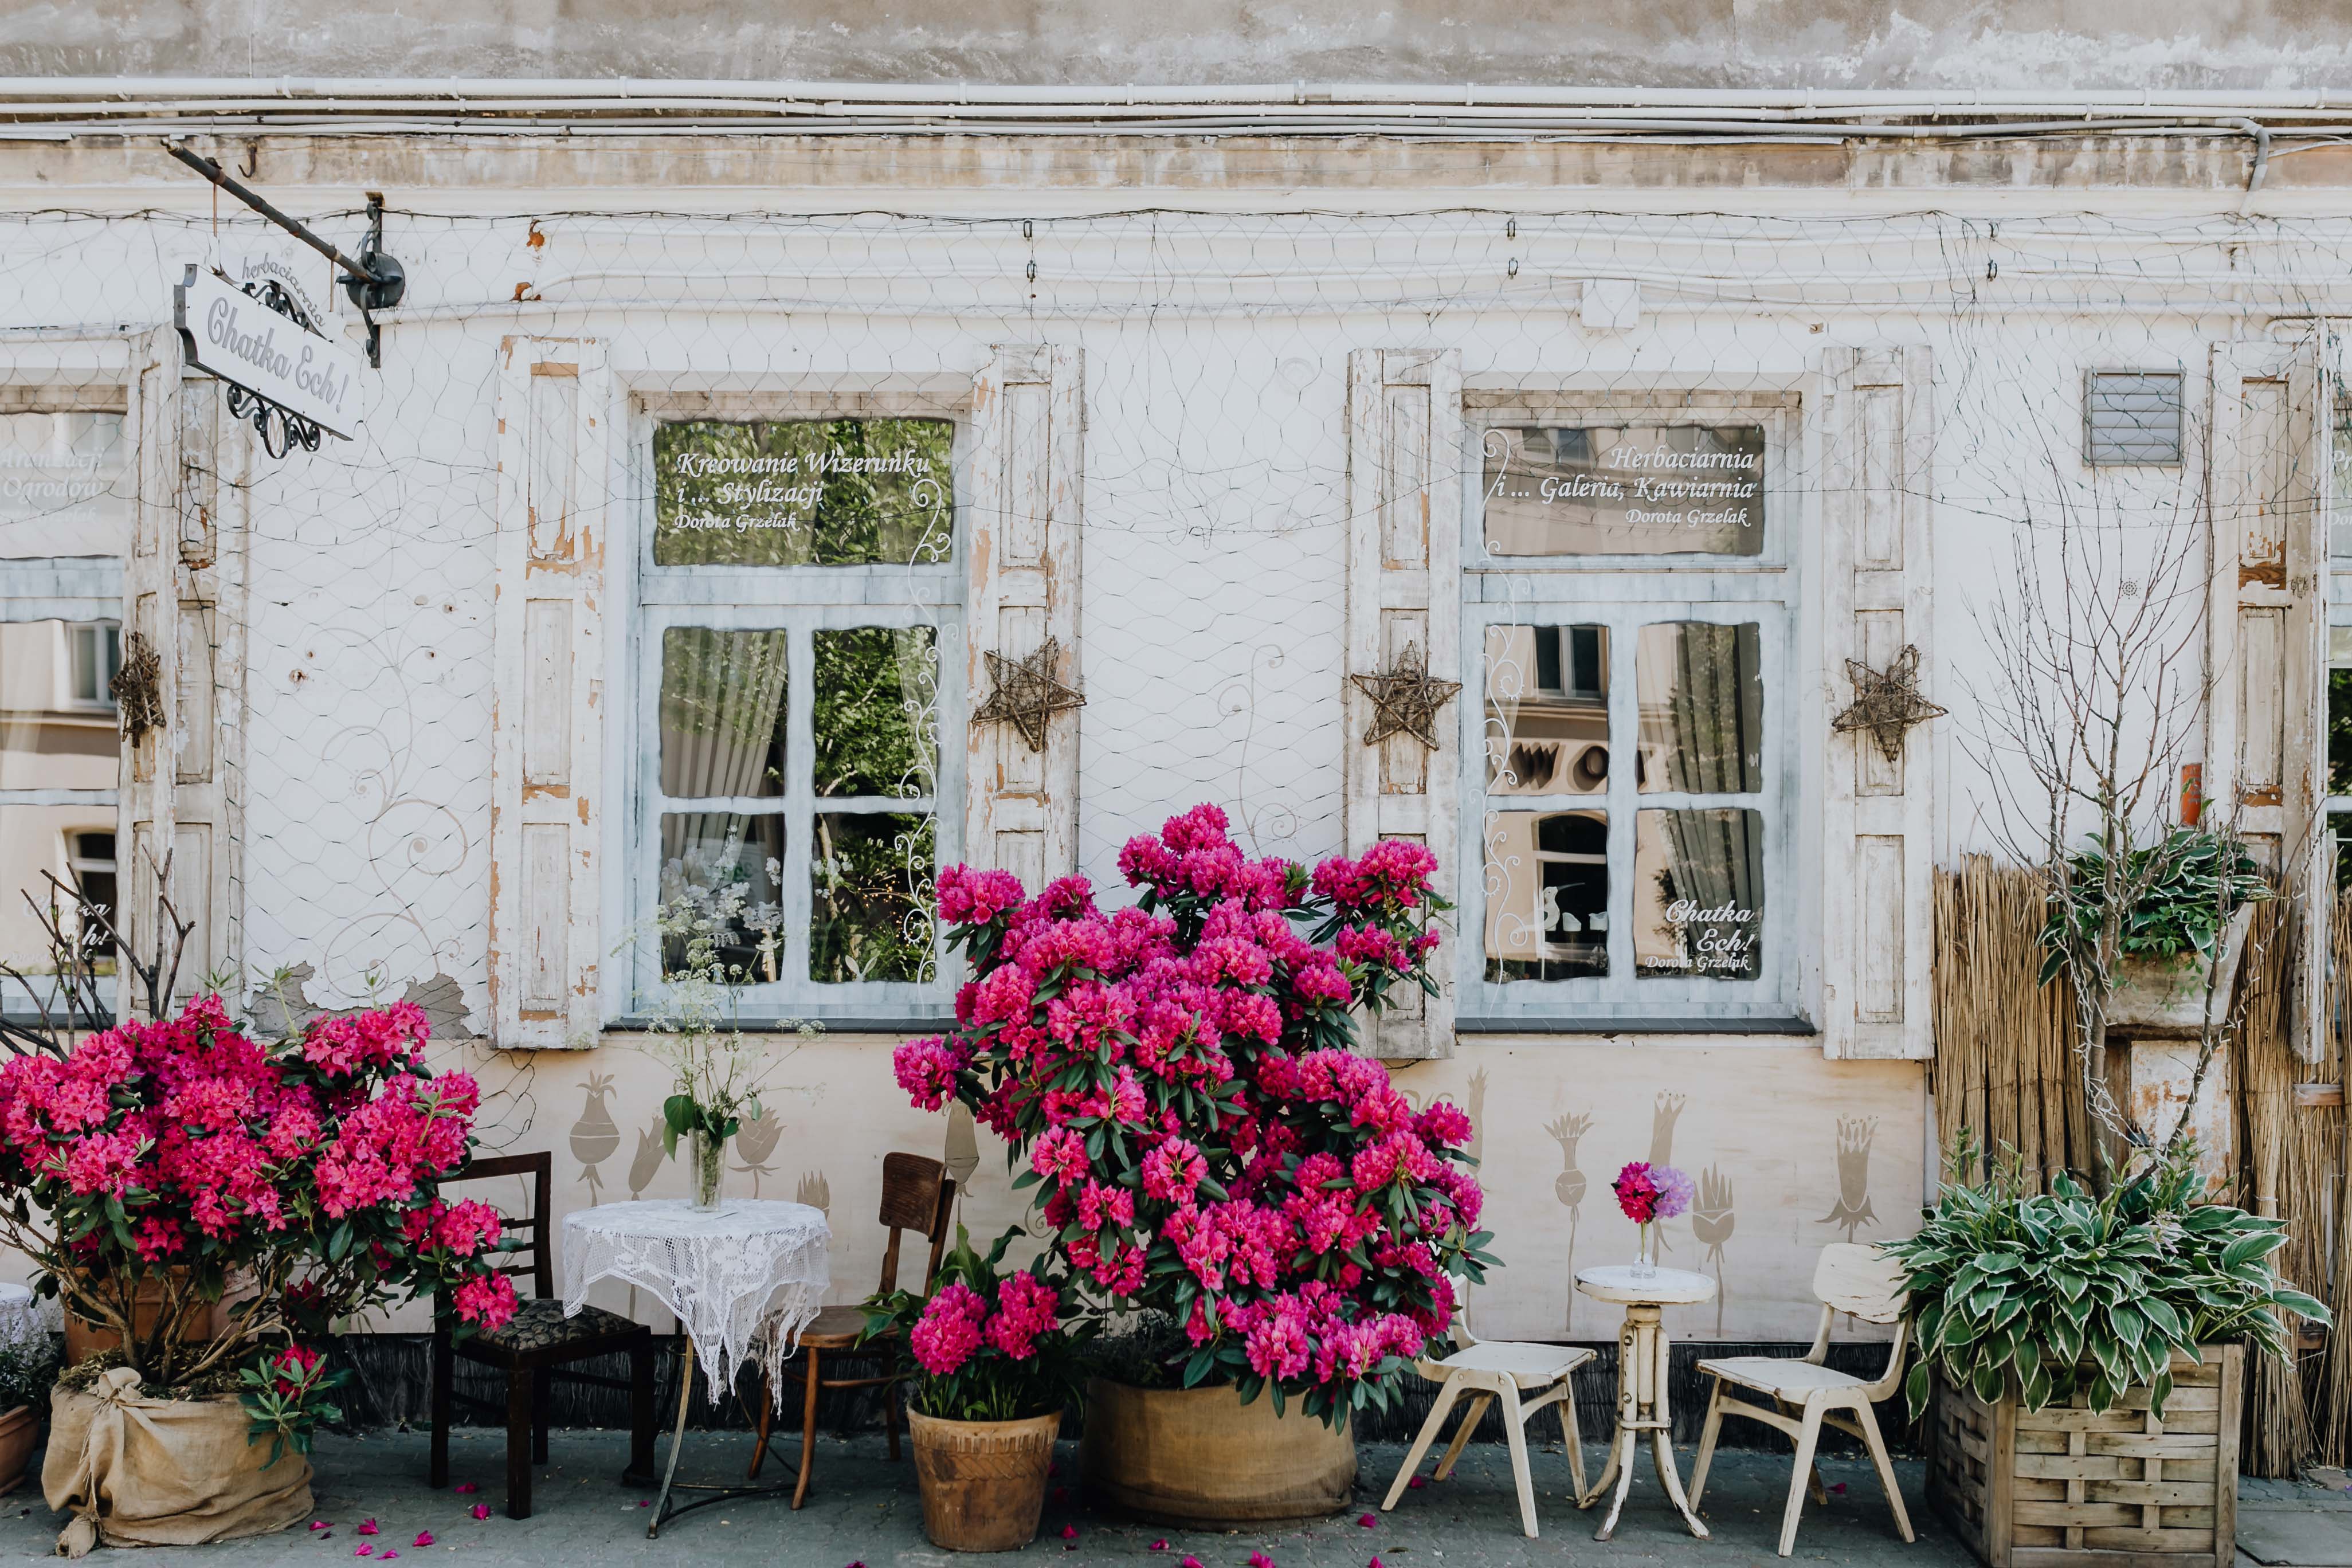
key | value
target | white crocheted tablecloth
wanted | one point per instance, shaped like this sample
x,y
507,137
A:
x,y
744,1279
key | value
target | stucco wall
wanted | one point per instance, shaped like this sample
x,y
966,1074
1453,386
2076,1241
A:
x,y
1955,43
1215,512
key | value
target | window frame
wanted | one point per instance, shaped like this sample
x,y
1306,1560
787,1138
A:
x,y
1625,592
800,600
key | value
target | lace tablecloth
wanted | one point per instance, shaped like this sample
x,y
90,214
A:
x,y
744,1279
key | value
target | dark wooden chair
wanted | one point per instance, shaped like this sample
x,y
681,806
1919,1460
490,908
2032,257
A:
x,y
918,1194
535,1347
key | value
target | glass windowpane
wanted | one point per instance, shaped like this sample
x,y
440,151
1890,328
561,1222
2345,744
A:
x,y
1547,895
1624,490
64,485
1698,887
1547,709
2339,505
803,492
729,868
870,880
722,712
1701,691
877,711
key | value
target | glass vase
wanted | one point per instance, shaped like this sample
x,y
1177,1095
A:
x,y
709,1156
1646,1262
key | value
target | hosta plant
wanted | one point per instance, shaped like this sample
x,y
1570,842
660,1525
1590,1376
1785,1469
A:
x,y
2182,894
2043,1294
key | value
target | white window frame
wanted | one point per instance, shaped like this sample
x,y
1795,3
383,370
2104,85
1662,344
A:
x,y
802,601
67,698
1625,592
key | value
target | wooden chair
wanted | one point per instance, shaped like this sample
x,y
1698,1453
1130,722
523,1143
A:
x,y
1806,1396
918,1194
1525,1376
534,1347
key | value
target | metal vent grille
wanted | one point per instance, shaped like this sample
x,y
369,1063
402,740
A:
x,y
2131,417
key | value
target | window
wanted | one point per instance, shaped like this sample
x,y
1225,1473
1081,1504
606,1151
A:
x,y
2131,417
91,857
93,659
1630,620
798,634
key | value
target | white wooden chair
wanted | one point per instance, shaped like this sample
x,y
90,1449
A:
x,y
1806,1396
1525,1377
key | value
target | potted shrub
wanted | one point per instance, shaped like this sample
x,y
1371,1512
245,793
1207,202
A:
x,y
2084,1357
2178,942
989,1368
215,1204
1208,1151
28,1372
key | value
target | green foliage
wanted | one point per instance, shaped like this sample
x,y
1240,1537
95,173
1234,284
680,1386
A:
x,y
28,1372
2186,888
870,916
2052,1293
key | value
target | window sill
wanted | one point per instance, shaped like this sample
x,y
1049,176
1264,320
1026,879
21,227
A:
x,y
1568,1024
877,1024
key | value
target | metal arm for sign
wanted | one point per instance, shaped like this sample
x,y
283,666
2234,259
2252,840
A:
x,y
374,281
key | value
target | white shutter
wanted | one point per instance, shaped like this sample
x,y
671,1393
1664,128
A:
x,y
1404,589
184,597
547,745
1878,817
2266,629
1021,548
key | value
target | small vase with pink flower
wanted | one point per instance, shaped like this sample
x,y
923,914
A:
x,y
1648,1194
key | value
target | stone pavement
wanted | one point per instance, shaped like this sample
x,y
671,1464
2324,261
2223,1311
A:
x,y
865,1511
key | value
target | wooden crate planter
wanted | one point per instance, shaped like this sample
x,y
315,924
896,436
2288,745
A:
x,y
2064,1487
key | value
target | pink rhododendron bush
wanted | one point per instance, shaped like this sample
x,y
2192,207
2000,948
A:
x,y
1179,1082
216,1202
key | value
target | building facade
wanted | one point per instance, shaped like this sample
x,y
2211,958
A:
x,y
719,481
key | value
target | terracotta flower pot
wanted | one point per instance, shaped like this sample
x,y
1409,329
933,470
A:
x,y
1200,1457
85,1339
983,1482
20,1429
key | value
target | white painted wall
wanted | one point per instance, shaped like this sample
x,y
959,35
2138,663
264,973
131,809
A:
x,y
1215,352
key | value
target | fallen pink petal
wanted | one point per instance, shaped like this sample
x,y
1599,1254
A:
x,y
1190,1562
1416,1483
363,1550
466,1487
1375,1563
424,1538
367,1527
329,1524
1369,1520
1069,1532
481,1511
1159,1546
1260,1560
389,1554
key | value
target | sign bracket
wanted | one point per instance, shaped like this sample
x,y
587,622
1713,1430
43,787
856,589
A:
x,y
375,280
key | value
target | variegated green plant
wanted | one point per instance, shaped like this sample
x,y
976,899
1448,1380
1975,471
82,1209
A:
x,y
2045,1293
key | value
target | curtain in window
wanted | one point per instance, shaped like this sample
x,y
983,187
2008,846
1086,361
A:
x,y
722,712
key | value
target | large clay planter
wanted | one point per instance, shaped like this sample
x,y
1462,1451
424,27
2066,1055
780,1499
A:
x,y
1201,1459
20,1429
983,1481
85,1339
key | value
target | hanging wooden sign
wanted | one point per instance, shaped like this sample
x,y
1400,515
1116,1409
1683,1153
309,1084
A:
x,y
307,378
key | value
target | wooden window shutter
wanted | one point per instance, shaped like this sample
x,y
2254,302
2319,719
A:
x,y
554,415
1404,590
1878,816
2267,632
1021,546
183,598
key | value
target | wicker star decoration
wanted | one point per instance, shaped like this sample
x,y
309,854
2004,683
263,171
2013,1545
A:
x,y
1886,702
1026,695
1405,699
